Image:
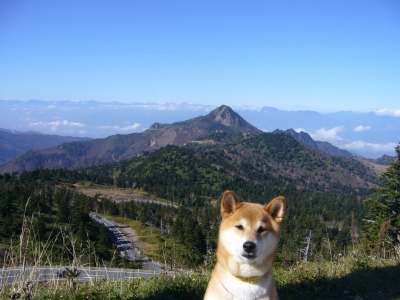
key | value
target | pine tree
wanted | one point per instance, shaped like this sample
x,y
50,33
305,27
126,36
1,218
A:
x,y
385,204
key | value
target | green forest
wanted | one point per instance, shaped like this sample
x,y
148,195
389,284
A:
x,y
320,199
42,205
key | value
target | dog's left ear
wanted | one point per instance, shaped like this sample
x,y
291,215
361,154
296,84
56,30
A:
x,y
229,204
277,208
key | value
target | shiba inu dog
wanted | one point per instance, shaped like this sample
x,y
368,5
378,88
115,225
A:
x,y
247,244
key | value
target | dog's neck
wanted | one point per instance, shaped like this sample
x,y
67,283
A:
x,y
240,287
252,280
248,279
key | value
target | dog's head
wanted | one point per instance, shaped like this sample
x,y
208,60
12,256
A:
x,y
250,232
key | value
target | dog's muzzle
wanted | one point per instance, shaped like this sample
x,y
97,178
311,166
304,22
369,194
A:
x,y
249,248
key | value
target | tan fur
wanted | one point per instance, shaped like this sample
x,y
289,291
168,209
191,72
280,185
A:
x,y
247,243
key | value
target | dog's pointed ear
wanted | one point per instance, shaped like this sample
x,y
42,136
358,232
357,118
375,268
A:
x,y
277,208
229,204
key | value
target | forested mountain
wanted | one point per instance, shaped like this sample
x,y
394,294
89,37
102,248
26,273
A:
x,y
323,192
258,166
13,144
386,160
119,147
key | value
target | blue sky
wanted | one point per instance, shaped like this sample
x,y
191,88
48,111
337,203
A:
x,y
317,55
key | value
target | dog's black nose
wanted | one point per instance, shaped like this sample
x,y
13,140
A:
x,y
249,247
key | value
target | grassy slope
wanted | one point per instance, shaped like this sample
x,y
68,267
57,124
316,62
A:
x,y
369,279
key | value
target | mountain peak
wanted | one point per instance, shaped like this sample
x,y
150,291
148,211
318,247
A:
x,y
225,115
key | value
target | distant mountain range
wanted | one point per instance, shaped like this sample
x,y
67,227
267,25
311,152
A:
x,y
114,148
81,154
367,134
15,143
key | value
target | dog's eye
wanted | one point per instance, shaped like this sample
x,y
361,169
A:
x,y
240,227
261,229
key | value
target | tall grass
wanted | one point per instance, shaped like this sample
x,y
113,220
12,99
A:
x,y
349,278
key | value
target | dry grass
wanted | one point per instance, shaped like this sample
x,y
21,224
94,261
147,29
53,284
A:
x,y
112,193
378,169
116,194
347,278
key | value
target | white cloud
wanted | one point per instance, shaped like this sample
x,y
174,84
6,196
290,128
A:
x,y
329,135
51,106
362,128
130,127
247,108
160,106
388,112
76,124
361,146
118,128
298,130
27,119
358,147
71,108
56,125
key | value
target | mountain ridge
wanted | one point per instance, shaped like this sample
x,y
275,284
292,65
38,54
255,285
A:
x,y
82,154
368,134
15,143
326,147
117,147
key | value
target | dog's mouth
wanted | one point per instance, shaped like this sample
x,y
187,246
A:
x,y
249,255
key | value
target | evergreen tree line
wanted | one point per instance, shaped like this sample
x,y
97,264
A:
x,y
383,226
175,173
54,210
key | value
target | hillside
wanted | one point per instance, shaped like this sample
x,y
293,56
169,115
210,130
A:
x,y
326,147
13,144
258,166
119,147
